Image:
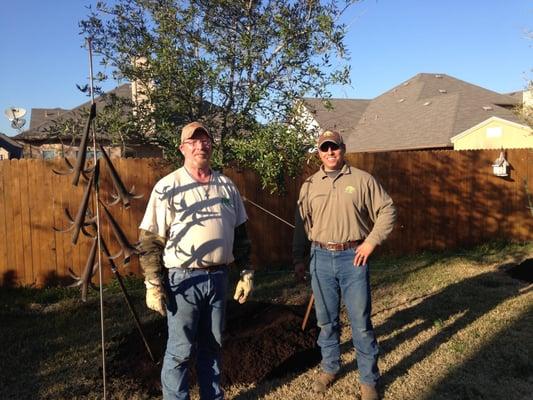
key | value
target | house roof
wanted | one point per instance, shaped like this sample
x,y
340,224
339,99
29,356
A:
x,y
40,115
425,111
343,116
45,117
9,140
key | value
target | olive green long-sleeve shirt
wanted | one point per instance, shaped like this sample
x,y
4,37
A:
x,y
352,206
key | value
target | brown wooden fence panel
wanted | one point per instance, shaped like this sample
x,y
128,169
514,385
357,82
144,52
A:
x,y
4,265
445,199
9,198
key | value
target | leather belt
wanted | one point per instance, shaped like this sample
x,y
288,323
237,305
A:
x,y
334,246
211,268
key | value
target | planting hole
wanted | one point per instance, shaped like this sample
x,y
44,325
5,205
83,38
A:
x,y
262,341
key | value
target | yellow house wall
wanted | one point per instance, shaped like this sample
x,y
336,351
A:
x,y
511,137
4,155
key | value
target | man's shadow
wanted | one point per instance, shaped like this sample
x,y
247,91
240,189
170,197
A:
x,y
447,312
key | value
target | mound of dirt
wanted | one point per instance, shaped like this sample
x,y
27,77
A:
x,y
522,271
262,341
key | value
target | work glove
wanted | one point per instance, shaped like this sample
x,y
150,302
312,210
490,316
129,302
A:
x,y
156,298
244,286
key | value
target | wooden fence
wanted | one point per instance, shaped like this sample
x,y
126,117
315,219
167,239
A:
x,y
445,199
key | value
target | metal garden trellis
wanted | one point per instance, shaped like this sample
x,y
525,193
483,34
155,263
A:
x,y
89,223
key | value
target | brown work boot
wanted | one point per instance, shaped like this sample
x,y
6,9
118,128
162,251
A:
x,y
323,381
369,392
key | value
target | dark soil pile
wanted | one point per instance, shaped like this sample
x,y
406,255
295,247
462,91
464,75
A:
x,y
523,271
262,341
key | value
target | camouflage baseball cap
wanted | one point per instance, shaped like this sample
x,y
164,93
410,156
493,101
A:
x,y
330,136
190,129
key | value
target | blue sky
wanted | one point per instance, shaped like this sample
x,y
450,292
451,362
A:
x,y
481,42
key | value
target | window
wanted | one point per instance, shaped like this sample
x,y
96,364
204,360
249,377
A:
x,y
90,154
494,131
49,154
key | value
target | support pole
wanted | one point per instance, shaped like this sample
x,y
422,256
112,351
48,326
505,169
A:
x,y
97,212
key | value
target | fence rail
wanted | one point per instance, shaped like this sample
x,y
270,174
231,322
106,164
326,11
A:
x,y
445,199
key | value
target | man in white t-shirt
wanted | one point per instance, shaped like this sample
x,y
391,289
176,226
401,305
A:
x,y
193,227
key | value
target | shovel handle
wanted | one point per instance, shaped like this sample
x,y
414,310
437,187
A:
x,y
308,311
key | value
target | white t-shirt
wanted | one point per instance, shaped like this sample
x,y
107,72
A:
x,y
198,220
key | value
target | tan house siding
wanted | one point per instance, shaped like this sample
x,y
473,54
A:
x,y
494,133
4,154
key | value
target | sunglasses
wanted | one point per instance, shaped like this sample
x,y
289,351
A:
x,y
329,145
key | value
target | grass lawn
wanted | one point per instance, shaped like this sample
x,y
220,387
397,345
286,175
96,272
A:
x,y
450,326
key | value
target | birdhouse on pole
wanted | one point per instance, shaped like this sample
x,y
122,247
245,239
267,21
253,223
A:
x,y
501,166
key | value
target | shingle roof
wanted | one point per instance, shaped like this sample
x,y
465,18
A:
x,y
343,116
45,117
422,112
10,141
40,115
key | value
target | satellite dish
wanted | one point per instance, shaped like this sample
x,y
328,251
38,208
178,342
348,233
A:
x,y
18,123
13,113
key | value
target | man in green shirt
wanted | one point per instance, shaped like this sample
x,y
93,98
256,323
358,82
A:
x,y
343,213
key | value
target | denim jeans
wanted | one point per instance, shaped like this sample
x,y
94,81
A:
x,y
333,276
195,315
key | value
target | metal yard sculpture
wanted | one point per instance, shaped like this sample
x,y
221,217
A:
x,y
88,221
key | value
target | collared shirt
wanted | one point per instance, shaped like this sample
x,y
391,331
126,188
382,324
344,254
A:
x,y
197,220
351,206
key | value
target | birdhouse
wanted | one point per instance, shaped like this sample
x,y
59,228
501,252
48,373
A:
x,y
501,166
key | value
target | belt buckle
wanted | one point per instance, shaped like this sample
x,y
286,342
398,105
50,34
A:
x,y
332,246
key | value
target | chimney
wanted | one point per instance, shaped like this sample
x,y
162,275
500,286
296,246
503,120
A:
x,y
139,90
140,93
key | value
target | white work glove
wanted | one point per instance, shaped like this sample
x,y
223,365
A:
x,y
156,298
245,286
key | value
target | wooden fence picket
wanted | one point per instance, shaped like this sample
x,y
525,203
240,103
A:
x,y
445,199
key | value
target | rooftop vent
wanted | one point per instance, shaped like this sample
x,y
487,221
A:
x,y
443,91
401,100
427,103
438,76
487,108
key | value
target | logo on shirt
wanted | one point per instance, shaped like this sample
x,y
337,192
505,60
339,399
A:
x,y
225,201
349,189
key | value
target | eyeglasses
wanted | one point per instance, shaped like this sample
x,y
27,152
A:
x,y
329,145
195,142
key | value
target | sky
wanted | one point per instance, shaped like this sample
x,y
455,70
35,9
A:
x,y
482,42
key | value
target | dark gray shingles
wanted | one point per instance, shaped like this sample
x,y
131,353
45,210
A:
x,y
425,112
39,131
343,116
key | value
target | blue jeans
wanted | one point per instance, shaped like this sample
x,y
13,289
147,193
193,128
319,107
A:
x,y
333,276
195,315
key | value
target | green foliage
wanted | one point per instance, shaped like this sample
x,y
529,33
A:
x,y
238,66
116,122
274,151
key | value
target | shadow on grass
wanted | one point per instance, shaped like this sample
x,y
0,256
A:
x,y
51,344
466,301
502,369
35,344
